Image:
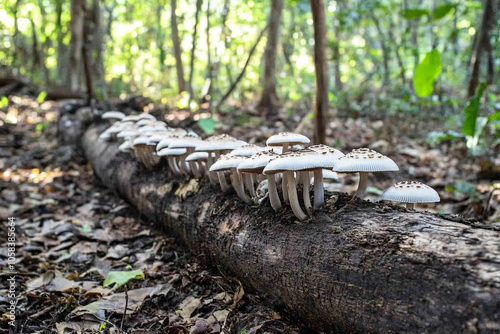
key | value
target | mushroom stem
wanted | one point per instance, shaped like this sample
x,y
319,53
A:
x,y
173,165
292,192
319,192
247,178
285,147
194,168
306,180
273,192
178,165
410,205
284,188
363,181
238,186
222,180
211,175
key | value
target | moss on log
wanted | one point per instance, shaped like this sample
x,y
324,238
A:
x,y
369,267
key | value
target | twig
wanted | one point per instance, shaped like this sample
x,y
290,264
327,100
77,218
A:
x,y
126,306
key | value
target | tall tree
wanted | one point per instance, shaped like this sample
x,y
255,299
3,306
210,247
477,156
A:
x,y
483,43
193,49
181,82
321,105
269,99
76,27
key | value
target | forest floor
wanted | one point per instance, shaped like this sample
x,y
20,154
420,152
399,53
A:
x,y
75,239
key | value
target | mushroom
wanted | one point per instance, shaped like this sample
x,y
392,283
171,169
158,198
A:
x,y
189,142
364,161
248,151
171,154
217,145
130,118
411,192
231,162
145,116
199,158
125,147
329,154
139,145
113,115
255,165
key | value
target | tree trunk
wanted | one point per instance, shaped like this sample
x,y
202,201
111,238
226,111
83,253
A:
x,y
181,83
76,27
61,50
208,93
321,105
369,268
483,43
98,47
193,49
336,57
269,100
160,36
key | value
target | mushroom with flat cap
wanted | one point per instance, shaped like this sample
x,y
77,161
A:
x,y
172,154
411,192
189,142
199,158
330,154
248,151
113,115
140,144
145,116
231,162
285,140
364,161
256,164
217,144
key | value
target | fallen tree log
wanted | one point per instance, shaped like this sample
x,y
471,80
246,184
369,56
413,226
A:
x,y
367,268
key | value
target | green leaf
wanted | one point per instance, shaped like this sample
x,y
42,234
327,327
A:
x,y
415,13
207,125
426,73
471,111
442,10
119,278
4,101
41,97
494,117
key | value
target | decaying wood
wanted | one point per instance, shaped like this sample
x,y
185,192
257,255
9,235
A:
x,y
365,268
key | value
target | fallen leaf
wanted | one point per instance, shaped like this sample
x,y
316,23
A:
x,y
187,307
221,315
119,278
61,284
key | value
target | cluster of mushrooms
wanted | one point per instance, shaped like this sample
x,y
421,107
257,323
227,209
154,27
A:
x,y
252,169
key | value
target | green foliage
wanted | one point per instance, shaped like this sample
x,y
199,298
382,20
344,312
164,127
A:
x,y
119,278
4,101
41,126
435,137
442,10
415,13
471,111
462,188
426,73
207,125
41,97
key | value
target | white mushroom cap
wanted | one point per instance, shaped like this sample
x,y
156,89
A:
x,y
257,162
329,175
140,141
411,192
275,149
126,146
219,143
118,115
171,151
287,137
364,160
105,135
227,161
299,160
247,150
150,128
177,131
130,118
185,141
146,116
332,153
143,122
127,134
197,156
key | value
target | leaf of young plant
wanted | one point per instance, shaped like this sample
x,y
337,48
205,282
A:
x,y
41,97
415,13
119,278
494,117
207,125
442,10
471,111
426,73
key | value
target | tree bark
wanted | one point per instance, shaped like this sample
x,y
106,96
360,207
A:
x,y
483,43
76,27
269,100
369,267
181,83
321,106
